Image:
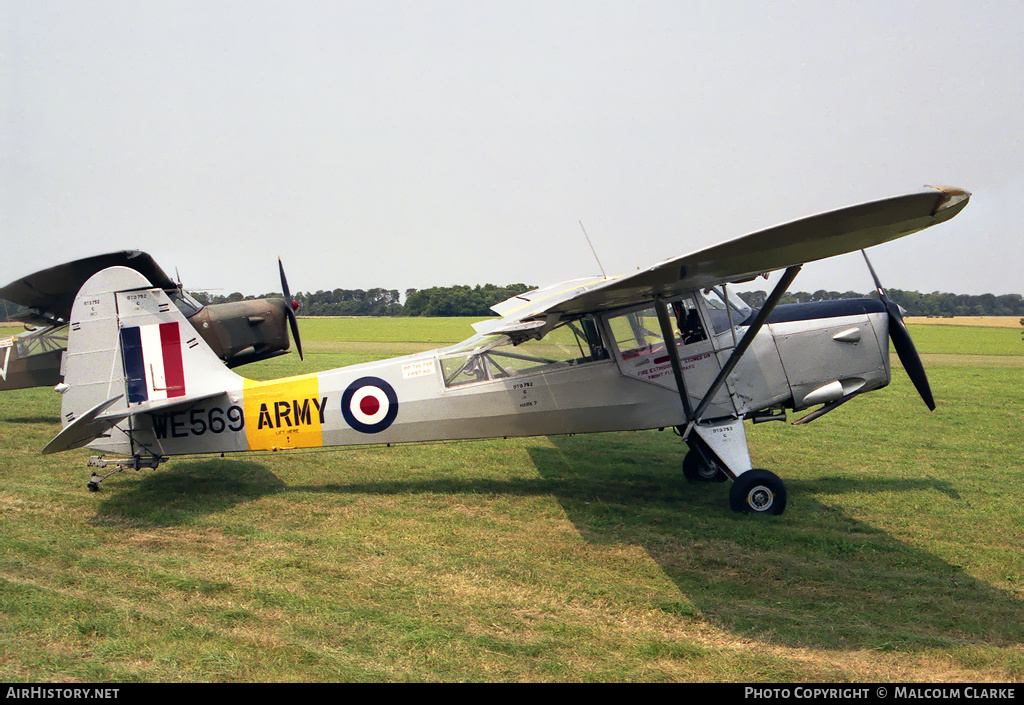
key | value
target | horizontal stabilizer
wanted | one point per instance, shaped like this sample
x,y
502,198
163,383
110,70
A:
x,y
94,423
86,428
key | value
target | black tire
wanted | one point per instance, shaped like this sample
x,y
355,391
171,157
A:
x,y
758,492
697,469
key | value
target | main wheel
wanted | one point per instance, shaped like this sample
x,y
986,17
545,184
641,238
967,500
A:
x,y
697,469
758,491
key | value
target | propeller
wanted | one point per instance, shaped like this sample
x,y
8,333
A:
x,y
905,349
290,306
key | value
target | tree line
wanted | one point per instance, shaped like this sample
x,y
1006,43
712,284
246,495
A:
x,y
465,300
459,300
936,304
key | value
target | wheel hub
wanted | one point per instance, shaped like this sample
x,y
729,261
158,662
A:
x,y
708,472
760,498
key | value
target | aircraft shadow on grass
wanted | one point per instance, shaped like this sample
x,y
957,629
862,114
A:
x,y
817,578
52,420
814,579
185,490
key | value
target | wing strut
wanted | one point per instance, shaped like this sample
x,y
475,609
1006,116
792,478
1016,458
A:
x,y
746,340
673,354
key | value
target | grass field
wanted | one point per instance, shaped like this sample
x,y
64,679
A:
x,y
969,321
582,558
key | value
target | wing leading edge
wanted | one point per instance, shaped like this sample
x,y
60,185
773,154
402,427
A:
x,y
805,240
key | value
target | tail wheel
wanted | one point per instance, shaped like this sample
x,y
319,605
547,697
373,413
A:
x,y
758,491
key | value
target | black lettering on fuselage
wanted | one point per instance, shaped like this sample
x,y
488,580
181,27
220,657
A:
x,y
265,419
216,420
197,422
282,410
291,414
301,412
321,407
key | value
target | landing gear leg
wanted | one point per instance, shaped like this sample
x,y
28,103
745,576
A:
x,y
718,452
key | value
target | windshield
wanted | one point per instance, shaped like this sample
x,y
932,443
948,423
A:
x,y
725,308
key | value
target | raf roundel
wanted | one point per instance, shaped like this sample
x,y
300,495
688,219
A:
x,y
369,405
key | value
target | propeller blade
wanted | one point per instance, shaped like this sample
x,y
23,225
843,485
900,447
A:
x,y
289,308
902,342
294,323
284,282
878,284
907,354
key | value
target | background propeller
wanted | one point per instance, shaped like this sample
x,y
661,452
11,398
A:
x,y
290,305
900,336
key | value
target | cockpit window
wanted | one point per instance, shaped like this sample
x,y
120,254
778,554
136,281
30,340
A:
x,y
725,309
691,329
638,333
481,358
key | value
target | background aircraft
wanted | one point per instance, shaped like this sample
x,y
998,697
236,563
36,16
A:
x,y
238,333
667,347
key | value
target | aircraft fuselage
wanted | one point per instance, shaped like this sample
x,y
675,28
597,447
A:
x,y
610,372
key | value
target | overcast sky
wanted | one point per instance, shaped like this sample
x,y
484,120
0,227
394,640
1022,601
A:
x,y
421,143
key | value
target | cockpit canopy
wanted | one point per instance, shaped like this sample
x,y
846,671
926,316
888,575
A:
x,y
488,356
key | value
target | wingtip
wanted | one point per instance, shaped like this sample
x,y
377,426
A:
x,y
951,196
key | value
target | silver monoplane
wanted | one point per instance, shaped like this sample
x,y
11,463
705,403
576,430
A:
x,y
671,346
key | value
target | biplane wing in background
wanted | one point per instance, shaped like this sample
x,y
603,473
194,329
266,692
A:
x,y
671,346
238,332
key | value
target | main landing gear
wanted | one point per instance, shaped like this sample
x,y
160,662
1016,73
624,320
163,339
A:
x,y
753,491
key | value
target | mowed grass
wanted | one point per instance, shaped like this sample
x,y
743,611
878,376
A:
x,y
582,558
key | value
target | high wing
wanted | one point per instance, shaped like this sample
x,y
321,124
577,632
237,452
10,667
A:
x,y
50,293
805,240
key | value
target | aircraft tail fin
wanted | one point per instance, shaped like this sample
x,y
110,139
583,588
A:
x,y
130,350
